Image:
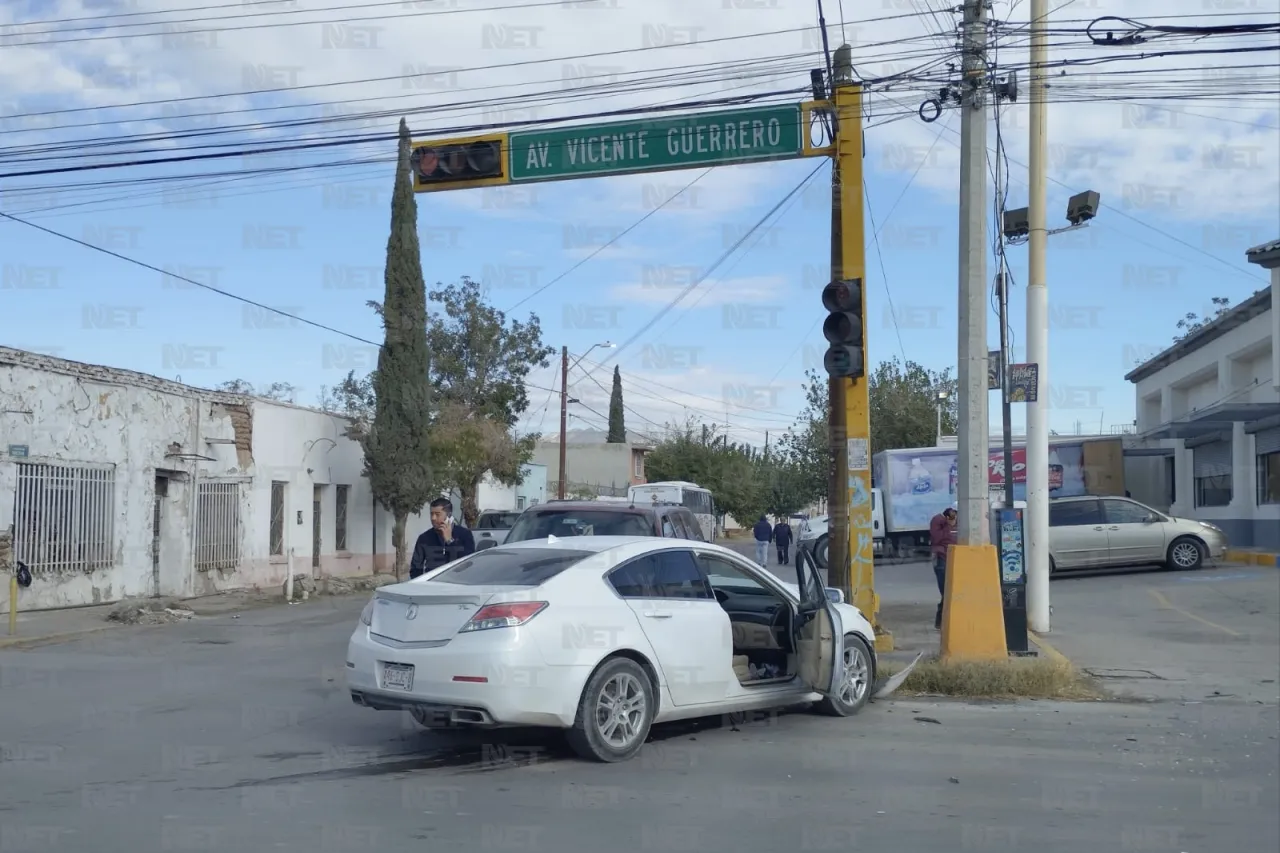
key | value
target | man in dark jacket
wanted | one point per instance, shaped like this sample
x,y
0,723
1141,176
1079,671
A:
x,y
763,533
942,532
443,543
782,538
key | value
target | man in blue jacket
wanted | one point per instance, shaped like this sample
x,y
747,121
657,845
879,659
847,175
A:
x,y
442,543
763,533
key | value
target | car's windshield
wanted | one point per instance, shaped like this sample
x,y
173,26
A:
x,y
577,522
496,520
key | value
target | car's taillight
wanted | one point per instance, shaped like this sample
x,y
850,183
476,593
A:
x,y
366,615
509,615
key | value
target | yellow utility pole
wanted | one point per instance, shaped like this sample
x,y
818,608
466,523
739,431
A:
x,y
850,552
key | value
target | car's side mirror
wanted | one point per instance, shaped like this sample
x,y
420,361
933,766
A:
x,y
1151,518
835,596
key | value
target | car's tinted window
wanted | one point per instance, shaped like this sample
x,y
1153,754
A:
x,y
511,566
692,528
723,573
571,522
667,574
496,520
1074,513
1125,512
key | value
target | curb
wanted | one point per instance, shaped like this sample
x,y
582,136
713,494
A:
x,y
1044,646
44,639
1254,558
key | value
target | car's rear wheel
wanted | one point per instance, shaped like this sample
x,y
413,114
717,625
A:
x,y
615,712
857,676
1185,554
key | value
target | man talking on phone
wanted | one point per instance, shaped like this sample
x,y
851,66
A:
x,y
443,543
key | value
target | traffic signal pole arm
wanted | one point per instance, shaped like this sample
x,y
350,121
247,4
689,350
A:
x,y
851,565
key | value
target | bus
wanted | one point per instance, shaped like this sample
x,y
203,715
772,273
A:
x,y
689,495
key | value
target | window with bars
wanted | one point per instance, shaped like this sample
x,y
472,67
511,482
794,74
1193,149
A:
x,y
64,517
277,519
340,518
217,525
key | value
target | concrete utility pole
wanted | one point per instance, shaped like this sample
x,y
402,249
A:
x,y
1037,514
973,432
564,416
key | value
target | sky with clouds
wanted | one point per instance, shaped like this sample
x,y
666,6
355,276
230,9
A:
x,y
1184,150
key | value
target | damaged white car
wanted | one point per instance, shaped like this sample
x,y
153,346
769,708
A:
x,y
603,637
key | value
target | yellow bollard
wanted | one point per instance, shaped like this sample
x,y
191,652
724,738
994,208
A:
x,y
13,605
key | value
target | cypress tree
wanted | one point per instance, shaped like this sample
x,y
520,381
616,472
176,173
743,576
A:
x,y
617,424
397,447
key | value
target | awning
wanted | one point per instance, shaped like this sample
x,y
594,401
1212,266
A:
x,y
1220,418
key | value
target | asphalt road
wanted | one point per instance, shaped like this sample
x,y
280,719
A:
x,y
236,734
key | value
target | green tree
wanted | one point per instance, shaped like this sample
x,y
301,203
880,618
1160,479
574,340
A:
x,y
396,439
617,416
480,366
903,399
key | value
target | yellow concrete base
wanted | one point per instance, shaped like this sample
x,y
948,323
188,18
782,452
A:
x,y
972,610
1253,558
884,640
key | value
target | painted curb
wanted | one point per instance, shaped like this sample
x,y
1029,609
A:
x,y
1254,558
1049,650
44,639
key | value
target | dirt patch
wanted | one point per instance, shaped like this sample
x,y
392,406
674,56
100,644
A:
x,y
149,611
1016,678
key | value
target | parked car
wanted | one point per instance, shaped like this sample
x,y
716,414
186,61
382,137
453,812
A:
x,y
1092,532
604,636
601,518
492,527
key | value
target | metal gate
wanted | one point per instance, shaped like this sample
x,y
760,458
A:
x,y
217,525
1266,441
64,517
1212,460
317,494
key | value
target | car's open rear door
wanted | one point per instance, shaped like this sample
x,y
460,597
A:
x,y
819,632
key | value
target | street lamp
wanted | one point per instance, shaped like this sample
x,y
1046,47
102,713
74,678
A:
x,y
564,405
942,398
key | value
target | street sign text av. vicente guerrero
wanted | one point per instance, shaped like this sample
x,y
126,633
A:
x,y
657,144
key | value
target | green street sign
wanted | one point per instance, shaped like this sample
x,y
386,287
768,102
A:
x,y
657,144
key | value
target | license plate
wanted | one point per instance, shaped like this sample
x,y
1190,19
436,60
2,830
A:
x,y
397,676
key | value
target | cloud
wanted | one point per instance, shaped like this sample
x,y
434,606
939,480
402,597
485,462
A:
x,y
713,293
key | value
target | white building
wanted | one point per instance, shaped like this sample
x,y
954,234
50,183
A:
x,y
492,495
118,484
1210,405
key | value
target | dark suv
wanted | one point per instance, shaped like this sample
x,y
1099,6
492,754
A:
x,y
603,518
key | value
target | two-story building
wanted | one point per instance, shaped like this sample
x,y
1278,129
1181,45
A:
x,y
1210,406
592,464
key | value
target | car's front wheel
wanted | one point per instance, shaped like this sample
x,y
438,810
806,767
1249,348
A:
x,y
820,551
1185,554
615,712
856,677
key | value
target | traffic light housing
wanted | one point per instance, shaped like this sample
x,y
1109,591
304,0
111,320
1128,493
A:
x,y
459,163
846,355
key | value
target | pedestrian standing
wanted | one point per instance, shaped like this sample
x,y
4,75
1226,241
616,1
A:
x,y
942,533
763,533
782,538
441,543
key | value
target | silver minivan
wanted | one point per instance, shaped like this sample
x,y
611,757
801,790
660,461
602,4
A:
x,y
1090,532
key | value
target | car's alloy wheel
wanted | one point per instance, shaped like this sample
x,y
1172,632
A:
x,y
614,713
1185,554
856,678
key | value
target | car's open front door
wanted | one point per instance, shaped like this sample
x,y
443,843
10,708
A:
x,y
819,632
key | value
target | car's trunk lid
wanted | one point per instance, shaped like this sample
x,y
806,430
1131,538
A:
x,y
428,612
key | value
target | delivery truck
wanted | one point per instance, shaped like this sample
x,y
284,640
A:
x,y
915,484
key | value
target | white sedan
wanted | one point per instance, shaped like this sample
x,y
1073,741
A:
x,y
604,636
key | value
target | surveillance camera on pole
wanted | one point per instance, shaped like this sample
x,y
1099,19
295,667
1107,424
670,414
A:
x,y
1082,207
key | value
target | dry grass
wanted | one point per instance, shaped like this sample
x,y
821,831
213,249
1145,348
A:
x,y
1016,678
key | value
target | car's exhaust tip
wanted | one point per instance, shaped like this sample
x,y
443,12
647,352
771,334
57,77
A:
x,y
469,717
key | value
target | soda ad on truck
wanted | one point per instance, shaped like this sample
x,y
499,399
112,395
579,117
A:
x,y
922,483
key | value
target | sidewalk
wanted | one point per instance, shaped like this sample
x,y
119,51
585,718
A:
x,y
41,627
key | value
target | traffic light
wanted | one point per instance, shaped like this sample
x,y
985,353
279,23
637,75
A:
x,y
447,163
843,328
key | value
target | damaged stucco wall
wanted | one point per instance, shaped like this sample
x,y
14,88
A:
x,y
66,412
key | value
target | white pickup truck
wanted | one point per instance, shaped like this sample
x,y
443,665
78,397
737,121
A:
x,y
813,533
